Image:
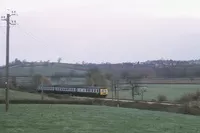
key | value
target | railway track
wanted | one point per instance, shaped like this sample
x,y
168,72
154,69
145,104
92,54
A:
x,y
131,101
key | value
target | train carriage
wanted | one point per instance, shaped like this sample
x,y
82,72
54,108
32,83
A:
x,y
88,91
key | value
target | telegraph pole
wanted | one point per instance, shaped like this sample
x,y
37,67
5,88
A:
x,y
42,91
8,23
112,88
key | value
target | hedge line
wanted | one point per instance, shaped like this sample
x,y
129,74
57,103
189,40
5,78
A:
x,y
138,105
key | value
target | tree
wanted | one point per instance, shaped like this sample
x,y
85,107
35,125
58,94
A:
x,y
95,78
59,59
31,69
108,76
36,79
1,80
17,61
125,75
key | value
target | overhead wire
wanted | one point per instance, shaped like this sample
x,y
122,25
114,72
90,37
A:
x,y
28,33
31,35
2,30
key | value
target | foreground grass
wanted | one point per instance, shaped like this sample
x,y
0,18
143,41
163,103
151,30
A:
x,y
171,91
21,95
92,119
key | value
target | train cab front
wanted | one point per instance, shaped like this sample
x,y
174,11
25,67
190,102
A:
x,y
103,92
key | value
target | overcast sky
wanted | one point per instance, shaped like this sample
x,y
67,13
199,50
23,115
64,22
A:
x,y
102,30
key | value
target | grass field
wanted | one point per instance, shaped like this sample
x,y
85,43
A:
x,y
172,91
21,95
92,119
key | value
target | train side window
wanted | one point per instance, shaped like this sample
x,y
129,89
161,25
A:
x,y
78,89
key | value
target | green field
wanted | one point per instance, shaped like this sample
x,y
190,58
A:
x,y
172,91
21,95
92,119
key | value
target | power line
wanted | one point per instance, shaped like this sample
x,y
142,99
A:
x,y
2,30
31,35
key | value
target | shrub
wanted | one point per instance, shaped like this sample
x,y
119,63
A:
x,y
161,98
190,97
153,100
190,108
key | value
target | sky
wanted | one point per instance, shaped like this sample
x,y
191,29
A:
x,y
102,30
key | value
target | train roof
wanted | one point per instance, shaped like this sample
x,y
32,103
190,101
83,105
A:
x,y
73,86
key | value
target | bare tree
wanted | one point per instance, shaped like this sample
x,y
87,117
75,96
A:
x,y
95,77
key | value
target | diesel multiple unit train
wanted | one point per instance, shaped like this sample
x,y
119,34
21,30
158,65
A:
x,y
88,91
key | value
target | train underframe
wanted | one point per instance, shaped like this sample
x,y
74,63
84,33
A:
x,y
93,95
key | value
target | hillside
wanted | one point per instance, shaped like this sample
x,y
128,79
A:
x,y
148,69
46,70
93,119
153,72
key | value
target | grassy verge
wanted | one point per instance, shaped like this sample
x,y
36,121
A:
x,y
138,105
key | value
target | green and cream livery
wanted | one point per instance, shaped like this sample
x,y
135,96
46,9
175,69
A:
x,y
90,91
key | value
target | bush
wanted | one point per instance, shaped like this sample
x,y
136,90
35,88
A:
x,y
153,100
190,97
190,108
161,98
